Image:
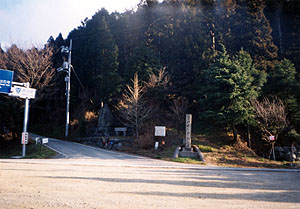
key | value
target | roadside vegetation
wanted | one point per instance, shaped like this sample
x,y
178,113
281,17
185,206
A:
x,y
218,148
33,151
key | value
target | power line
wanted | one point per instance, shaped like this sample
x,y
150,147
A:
x,y
77,77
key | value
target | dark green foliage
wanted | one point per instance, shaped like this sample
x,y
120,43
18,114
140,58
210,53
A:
x,y
96,57
282,80
282,84
251,31
144,62
230,85
284,17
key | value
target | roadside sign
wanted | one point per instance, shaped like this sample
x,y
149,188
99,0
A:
x,y
37,140
6,78
160,131
24,138
156,145
45,140
23,92
272,138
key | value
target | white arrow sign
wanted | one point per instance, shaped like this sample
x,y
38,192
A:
x,y
22,92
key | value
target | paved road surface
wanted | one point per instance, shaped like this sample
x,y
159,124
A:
x,y
93,178
70,150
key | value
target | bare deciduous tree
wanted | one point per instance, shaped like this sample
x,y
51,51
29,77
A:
x,y
157,95
32,65
132,107
162,79
178,109
2,58
271,116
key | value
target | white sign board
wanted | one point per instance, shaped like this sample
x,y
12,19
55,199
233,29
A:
x,y
272,138
45,140
24,138
160,131
22,92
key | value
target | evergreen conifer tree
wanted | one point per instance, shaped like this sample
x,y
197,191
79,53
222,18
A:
x,y
253,33
282,84
96,57
231,84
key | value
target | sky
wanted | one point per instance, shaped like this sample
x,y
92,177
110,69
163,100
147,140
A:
x,y
32,22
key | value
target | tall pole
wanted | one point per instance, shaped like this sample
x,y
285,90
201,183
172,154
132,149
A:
x,y
26,113
68,79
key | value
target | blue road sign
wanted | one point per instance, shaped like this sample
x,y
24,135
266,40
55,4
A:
x,y
6,79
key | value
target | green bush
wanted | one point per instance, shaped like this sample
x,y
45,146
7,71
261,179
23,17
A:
x,y
205,148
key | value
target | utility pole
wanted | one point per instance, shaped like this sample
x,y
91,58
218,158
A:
x,y
66,67
68,84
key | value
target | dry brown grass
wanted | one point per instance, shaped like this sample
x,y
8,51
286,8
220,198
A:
x,y
89,116
218,150
237,155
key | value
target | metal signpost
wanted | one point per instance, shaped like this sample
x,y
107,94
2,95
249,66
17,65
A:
x,y
20,90
26,113
23,91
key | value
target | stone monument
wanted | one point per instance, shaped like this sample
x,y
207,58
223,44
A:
x,y
104,121
188,150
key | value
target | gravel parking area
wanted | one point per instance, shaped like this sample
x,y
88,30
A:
x,y
113,183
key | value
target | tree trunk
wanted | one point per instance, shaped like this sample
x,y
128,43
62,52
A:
x,y
248,136
278,21
234,133
273,150
213,44
136,123
178,128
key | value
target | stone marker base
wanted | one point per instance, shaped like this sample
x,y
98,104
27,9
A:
x,y
16,157
193,152
184,149
190,154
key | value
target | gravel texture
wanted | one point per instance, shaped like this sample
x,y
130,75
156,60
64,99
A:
x,y
144,183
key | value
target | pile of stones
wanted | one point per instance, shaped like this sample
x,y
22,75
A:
x,y
287,153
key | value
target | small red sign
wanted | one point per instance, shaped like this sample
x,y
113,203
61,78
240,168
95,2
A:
x,y
272,138
24,138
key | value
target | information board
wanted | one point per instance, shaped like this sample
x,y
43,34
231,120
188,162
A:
x,y
160,131
23,92
6,78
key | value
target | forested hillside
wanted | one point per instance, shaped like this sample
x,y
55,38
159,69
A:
x,y
221,60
